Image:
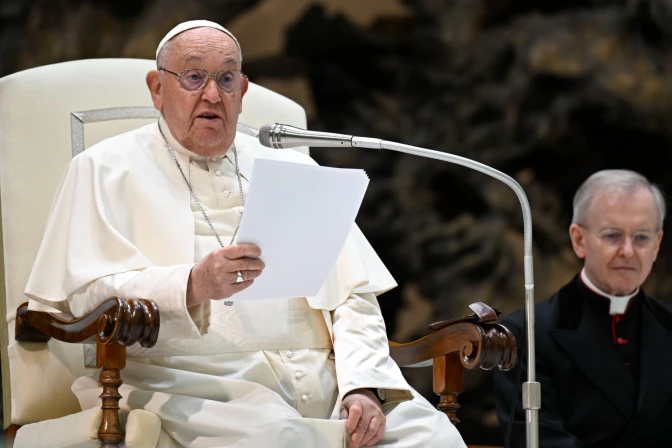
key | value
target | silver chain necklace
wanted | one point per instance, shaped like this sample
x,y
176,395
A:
x,y
193,194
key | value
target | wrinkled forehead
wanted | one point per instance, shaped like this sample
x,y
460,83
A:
x,y
623,208
196,45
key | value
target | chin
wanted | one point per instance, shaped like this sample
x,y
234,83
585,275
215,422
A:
x,y
210,144
624,288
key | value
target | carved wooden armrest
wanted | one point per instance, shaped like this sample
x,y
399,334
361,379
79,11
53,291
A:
x,y
467,342
114,325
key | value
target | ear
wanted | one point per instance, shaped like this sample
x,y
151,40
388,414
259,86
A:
x,y
154,84
578,240
243,91
659,238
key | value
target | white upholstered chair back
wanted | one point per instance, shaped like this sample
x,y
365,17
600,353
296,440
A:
x,y
47,114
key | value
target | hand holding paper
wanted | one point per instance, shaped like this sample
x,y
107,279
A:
x,y
300,216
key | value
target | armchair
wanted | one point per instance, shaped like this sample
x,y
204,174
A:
x,y
47,115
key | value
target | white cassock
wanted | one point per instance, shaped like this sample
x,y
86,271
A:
x,y
226,373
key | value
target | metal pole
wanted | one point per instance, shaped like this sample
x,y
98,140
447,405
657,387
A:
x,y
531,389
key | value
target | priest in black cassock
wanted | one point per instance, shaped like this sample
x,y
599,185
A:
x,y
604,348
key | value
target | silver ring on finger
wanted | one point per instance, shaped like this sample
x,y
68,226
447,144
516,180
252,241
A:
x,y
239,277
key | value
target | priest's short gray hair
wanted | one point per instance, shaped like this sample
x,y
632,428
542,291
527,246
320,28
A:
x,y
610,180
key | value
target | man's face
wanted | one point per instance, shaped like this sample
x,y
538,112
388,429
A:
x,y
203,121
619,240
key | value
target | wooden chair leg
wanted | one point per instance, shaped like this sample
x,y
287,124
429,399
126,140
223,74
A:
x,y
10,434
449,383
112,358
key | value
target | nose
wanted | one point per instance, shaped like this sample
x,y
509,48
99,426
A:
x,y
627,250
211,92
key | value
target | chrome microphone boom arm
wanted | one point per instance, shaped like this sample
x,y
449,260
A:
x,y
531,389
283,136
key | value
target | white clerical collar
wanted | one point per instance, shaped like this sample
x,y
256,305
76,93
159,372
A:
x,y
177,146
618,304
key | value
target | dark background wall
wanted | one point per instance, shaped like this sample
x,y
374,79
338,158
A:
x,y
546,91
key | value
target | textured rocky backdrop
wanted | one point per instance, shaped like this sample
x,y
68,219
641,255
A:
x,y
546,91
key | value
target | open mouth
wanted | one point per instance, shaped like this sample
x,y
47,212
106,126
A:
x,y
208,116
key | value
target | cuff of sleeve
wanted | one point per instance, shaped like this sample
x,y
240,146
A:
x,y
170,294
395,396
392,396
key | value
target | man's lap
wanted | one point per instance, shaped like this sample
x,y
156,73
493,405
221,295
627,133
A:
x,y
221,412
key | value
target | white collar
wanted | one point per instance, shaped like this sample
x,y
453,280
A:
x,y
618,304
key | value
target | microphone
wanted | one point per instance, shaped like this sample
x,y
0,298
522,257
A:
x,y
282,136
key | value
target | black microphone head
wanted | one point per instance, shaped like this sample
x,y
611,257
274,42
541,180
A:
x,y
265,135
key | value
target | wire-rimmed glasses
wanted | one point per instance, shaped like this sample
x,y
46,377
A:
x,y
615,238
193,79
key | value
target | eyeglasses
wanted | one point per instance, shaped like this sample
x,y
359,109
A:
x,y
615,238
193,79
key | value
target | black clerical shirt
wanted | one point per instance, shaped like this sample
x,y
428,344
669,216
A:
x,y
623,329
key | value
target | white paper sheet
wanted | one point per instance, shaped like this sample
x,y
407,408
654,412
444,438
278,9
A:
x,y
300,216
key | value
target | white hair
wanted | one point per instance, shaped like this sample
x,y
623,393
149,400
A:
x,y
615,180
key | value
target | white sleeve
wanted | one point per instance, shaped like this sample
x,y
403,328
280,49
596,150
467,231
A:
x,y
361,348
166,286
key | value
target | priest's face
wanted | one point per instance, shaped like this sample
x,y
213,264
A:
x,y
203,121
619,240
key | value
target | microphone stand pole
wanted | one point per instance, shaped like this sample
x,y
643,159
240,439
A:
x,y
531,388
283,136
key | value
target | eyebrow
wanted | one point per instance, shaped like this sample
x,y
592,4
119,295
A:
x,y
618,229
194,57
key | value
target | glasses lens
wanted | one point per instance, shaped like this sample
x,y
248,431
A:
x,y
228,80
612,238
193,79
616,239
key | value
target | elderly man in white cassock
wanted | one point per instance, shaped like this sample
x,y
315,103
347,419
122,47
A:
x,y
151,214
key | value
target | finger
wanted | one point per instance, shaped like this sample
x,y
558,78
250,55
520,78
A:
x,y
243,264
371,432
356,438
379,435
250,275
354,414
232,277
344,413
235,251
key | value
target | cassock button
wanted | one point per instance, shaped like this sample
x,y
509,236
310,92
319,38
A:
x,y
219,173
214,159
621,341
305,397
226,193
289,354
299,375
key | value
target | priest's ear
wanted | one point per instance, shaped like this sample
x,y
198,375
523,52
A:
x,y
578,237
153,80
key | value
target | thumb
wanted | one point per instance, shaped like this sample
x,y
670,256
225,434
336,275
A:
x,y
344,413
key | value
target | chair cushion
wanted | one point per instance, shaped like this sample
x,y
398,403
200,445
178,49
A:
x,y
80,430
142,429
41,380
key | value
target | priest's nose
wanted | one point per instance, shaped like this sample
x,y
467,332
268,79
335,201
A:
x,y
211,92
